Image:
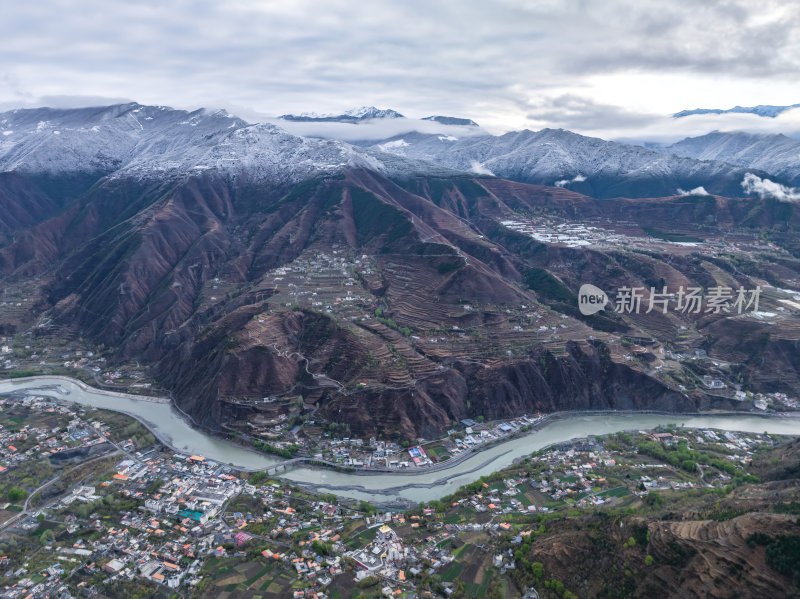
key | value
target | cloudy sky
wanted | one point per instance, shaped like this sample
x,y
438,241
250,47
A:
x,y
612,68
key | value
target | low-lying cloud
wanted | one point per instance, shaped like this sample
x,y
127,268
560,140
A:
x,y
767,189
372,129
576,179
479,169
697,191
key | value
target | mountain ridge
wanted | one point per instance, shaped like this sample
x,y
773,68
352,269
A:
x,y
762,110
775,154
353,115
136,140
592,166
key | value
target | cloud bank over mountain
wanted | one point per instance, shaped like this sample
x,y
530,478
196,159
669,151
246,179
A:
x,y
609,69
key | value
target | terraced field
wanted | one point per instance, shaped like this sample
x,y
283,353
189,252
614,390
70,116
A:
x,y
238,579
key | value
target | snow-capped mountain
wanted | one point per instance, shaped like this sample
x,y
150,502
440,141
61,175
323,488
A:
x,y
147,142
765,110
350,116
777,155
558,157
152,142
103,139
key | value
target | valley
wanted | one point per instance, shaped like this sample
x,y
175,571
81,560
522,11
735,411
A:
x,y
450,300
376,295
579,517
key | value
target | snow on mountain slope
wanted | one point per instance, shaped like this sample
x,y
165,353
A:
x,y
349,116
777,155
147,142
589,165
765,110
102,139
260,152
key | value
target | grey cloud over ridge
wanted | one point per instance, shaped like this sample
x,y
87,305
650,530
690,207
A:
x,y
571,111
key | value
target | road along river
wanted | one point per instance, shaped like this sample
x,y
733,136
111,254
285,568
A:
x,y
381,487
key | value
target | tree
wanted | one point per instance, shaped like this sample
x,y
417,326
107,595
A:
x,y
258,477
47,537
496,590
537,568
367,507
83,510
369,581
459,592
322,548
653,500
15,494
556,585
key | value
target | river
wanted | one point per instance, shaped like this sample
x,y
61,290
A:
x,y
173,430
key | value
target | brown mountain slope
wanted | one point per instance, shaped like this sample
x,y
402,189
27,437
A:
x,y
396,306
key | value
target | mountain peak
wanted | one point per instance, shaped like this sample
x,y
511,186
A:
x,y
370,112
349,116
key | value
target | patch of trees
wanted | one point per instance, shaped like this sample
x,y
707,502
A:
x,y
367,507
680,456
284,452
256,478
782,553
15,495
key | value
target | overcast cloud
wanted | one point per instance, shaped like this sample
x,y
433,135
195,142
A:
x,y
610,68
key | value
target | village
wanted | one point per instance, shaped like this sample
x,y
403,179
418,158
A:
x,y
471,435
150,518
605,234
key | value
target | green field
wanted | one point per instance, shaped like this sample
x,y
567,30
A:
x,y
250,579
438,452
615,492
361,539
667,236
452,571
